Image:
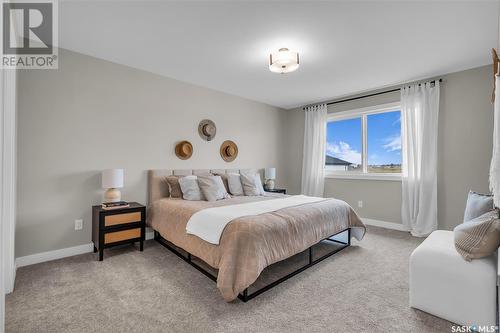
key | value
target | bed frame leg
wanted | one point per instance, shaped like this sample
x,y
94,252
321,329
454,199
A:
x,y
156,235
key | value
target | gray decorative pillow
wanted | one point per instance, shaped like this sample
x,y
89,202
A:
x,y
224,178
479,237
212,188
252,184
234,184
190,189
477,205
175,188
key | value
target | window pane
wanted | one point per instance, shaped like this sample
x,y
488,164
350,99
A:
x,y
343,145
384,142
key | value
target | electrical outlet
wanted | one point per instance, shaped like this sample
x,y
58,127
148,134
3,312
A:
x,y
360,204
78,224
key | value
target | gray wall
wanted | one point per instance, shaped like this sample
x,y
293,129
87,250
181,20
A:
x,y
464,148
92,114
465,141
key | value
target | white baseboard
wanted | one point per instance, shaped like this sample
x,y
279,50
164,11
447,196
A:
x,y
53,255
385,224
61,253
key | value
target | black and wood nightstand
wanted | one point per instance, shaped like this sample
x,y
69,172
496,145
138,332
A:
x,y
277,190
118,226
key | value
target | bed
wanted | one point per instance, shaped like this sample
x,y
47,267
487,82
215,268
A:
x,y
248,244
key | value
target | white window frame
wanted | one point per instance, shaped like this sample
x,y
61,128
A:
x,y
363,113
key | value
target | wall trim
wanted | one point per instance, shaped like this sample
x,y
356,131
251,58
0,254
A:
x,y
8,174
385,224
61,253
53,255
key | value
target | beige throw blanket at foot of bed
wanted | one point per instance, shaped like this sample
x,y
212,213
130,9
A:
x,y
251,243
209,223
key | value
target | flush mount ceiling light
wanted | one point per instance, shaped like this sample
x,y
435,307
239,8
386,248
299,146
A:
x,y
283,61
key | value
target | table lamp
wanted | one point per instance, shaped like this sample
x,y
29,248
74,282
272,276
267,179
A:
x,y
270,176
112,179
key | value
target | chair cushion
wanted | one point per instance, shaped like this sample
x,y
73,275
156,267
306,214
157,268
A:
x,y
479,237
477,205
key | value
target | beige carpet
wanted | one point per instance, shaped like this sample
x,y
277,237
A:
x,y
363,288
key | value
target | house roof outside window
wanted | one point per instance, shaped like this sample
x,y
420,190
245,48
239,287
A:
x,y
330,160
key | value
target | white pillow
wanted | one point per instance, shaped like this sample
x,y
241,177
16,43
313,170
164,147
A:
x,y
212,188
190,189
260,187
252,185
234,184
477,205
222,187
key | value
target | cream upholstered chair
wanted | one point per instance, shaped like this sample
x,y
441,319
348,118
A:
x,y
442,283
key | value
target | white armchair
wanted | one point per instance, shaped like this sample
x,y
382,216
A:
x,y
442,283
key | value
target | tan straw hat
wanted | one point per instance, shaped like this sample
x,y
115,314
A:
x,y
228,150
184,150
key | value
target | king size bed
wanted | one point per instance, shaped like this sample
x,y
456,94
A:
x,y
259,231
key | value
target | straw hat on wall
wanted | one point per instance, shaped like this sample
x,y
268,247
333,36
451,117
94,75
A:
x,y
228,151
184,150
207,129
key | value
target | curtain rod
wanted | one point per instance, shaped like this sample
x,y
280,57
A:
x,y
373,94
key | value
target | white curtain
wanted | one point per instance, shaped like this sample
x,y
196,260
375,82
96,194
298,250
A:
x,y
495,157
313,162
419,117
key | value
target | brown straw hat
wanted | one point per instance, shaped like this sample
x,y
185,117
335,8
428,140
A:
x,y
207,129
228,150
184,150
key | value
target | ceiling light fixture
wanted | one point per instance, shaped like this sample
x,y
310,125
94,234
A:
x,y
283,61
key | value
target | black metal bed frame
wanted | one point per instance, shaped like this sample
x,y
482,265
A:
x,y
245,296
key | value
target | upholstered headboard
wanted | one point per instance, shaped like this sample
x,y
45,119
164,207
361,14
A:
x,y
158,186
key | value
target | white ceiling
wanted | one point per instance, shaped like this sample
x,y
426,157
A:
x,y
345,47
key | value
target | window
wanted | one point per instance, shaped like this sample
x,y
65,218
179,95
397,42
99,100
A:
x,y
364,142
344,145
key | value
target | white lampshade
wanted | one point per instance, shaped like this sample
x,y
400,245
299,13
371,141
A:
x,y
270,173
112,178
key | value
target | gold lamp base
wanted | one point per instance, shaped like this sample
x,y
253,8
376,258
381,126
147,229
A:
x,y
112,195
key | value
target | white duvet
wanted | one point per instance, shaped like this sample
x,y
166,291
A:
x,y
209,223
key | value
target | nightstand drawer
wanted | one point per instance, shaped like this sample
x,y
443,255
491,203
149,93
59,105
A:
x,y
117,236
110,220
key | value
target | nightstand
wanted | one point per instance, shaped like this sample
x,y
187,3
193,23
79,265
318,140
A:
x,y
118,226
277,190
